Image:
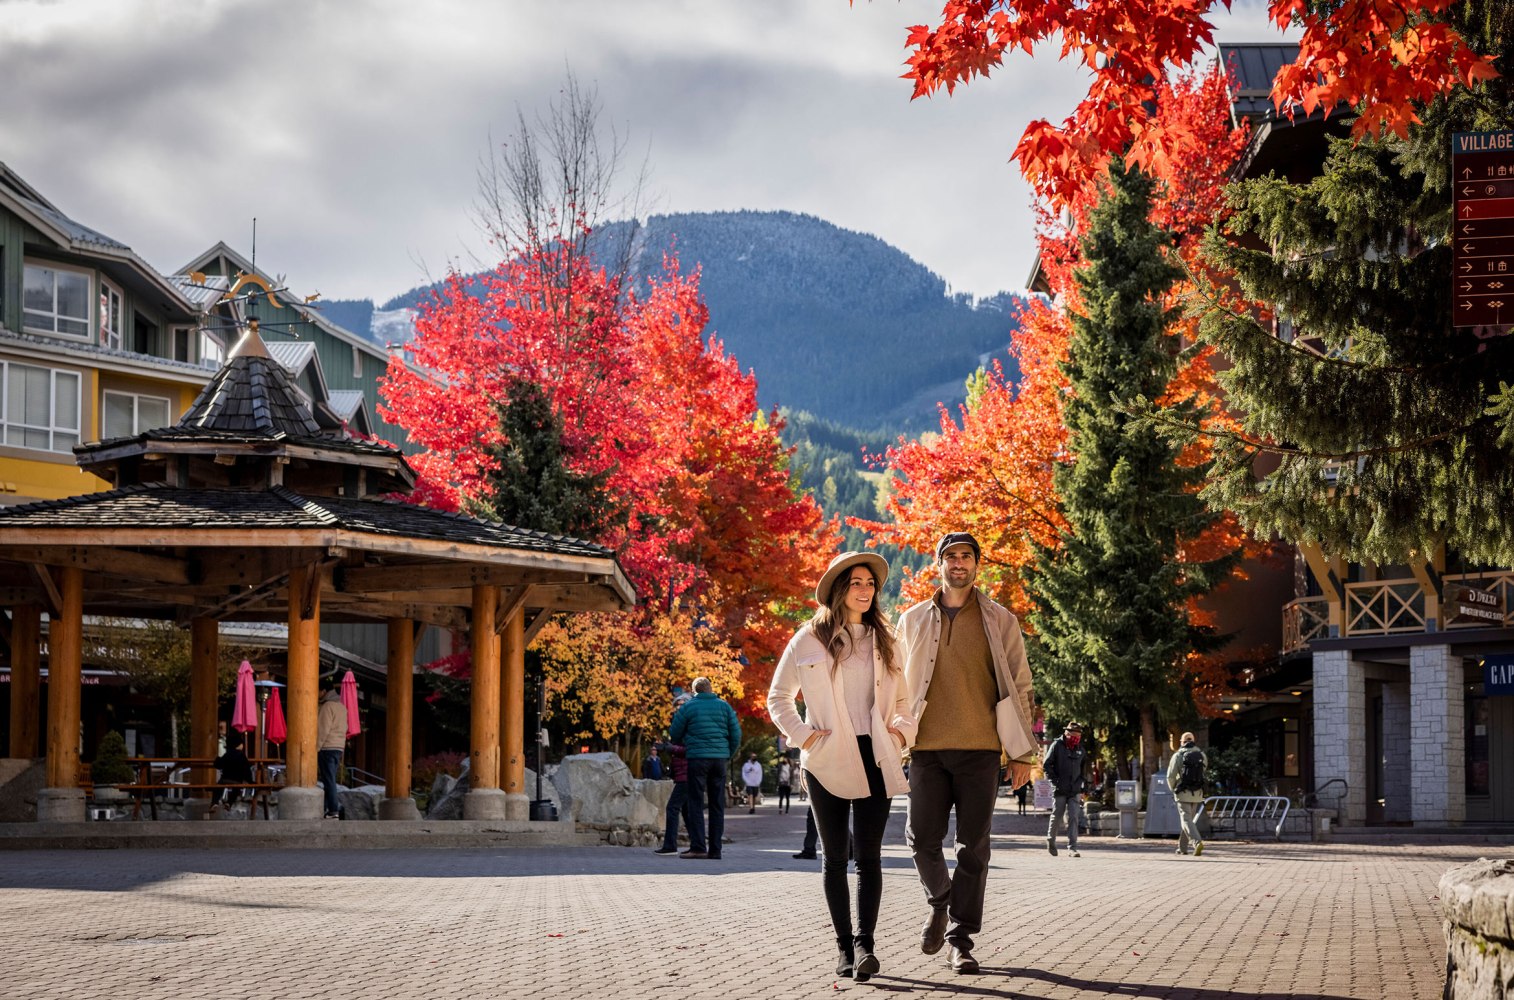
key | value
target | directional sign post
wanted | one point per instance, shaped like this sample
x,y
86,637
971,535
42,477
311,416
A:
x,y
1483,235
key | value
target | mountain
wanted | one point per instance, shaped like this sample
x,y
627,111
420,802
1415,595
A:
x,y
835,323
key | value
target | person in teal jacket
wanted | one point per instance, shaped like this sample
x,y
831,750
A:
x,y
711,736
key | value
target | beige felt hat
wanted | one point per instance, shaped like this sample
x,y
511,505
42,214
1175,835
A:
x,y
844,562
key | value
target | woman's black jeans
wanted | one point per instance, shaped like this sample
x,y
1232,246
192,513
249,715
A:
x,y
867,819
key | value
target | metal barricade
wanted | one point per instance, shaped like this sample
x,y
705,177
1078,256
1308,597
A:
x,y
1223,808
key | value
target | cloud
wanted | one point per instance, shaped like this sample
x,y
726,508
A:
x,y
352,130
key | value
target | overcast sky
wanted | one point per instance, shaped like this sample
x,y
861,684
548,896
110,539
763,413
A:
x,y
352,129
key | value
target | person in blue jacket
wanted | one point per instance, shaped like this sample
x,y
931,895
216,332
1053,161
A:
x,y
711,736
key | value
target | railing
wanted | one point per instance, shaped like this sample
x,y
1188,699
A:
x,y
356,776
1231,808
1499,582
1312,799
1304,620
1384,607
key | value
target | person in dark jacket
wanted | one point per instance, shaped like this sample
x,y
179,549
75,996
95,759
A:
x,y
711,736
678,802
1063,765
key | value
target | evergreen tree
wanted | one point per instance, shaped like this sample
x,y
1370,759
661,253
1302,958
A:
x,y
531,485
1394,430
1110,604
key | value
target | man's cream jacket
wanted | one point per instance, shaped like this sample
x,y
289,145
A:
x,y
919,637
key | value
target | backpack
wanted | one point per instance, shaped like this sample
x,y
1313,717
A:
x,y
1191,778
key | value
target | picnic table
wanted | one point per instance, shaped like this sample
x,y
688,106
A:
x,y
160,776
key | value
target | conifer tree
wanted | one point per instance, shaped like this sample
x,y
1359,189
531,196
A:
x,y
1394,430
530,484
1111,626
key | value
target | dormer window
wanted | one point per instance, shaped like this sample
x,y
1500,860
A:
x,y
55,301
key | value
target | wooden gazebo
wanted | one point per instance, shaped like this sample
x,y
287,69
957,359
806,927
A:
x,y
249,510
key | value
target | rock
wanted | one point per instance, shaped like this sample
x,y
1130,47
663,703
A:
x,y
447,793
361,802
548,790
597,789
1477,904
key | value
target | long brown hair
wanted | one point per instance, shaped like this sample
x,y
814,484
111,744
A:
x,y
829,623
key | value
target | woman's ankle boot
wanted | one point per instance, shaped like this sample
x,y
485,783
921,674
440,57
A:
x,y
844,961
866,965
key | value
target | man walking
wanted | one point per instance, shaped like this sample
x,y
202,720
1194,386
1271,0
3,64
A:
x,y
1187,773
964,662
1064,769
710,734
751,777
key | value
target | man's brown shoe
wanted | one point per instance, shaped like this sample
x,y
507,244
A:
x,y
961,960
933,934
694,854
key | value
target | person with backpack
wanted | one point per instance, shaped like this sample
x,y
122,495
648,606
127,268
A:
x,y
1187,774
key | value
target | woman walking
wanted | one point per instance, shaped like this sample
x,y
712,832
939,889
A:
x,y
844,662
785,783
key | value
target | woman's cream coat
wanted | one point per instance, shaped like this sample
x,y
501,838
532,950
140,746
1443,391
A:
x,y
834,760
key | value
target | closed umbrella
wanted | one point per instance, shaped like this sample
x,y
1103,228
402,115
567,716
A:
x,y
278,730
349,702
244,715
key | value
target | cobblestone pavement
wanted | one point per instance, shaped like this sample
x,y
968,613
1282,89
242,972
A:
x,y
1128,919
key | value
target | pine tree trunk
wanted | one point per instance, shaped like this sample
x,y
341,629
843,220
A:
x,y
1150,755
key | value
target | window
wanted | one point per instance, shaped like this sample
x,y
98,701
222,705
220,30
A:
x,y
55,300
182,337
211,352
110,316
126,414
39,407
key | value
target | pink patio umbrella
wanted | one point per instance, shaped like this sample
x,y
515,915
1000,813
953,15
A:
x,y
349,702
277,730
244,715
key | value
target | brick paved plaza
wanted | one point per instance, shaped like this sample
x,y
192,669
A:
x,y
1129,919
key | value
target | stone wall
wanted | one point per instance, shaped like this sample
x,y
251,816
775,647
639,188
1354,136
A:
x,y
1477,906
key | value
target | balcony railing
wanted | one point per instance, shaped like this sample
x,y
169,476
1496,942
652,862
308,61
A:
x,y
1384,607
1304,620
1387,607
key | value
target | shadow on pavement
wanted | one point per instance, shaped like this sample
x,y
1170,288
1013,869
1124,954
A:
x,y
982,985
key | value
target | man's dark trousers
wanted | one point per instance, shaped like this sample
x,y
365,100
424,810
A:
x,y
940,781
707,778
678,806
328,765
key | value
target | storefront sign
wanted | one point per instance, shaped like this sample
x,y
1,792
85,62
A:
x,y
1468,604
1498,674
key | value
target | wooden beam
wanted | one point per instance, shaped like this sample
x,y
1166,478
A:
x,y
535,622
443,576
65,658
512,708
484,694
1329,583
424,614
511,602
241,567
259,591
304,676
143,566
204,652
54,600
26,679
400,692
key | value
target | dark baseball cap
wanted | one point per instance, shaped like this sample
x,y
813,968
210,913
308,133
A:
x,y
957,538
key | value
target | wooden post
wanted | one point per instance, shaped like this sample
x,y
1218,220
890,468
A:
x,y
26,679
485,698
513,714
401,691
204,654
65,656
304,678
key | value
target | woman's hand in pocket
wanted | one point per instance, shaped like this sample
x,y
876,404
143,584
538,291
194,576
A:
x,y
815,737
898,736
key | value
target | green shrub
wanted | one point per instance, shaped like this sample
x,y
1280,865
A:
x,y
110,766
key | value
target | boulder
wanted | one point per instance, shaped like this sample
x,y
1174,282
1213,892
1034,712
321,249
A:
x,y
597,789
446,800
361,802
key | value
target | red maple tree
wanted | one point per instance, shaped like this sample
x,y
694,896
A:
x,y
1378,57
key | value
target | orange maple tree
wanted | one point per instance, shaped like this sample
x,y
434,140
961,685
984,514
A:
x,y
1378,57
989,469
